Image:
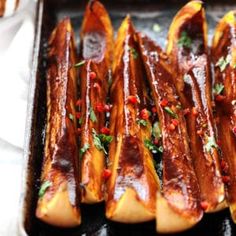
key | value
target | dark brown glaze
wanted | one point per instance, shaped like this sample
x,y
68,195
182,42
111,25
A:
x,y
194,87
131,162
179,179
2,7
223,44
60,160
96,50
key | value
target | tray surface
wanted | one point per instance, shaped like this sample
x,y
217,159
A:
x,y
144,15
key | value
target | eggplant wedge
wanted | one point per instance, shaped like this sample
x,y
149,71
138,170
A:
x,y
133,184
96,58
178,207
187,48
58,194
224,58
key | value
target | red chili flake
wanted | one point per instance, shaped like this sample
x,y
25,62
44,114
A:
x,y
154,110
218,141
156,141
100,107
78,130
194,111
92,75
175,122
164,102
106,174
234,130
144,114
204,205
78,115
199,132
219,98
225,179
132,99
78,102
107,107
171,127
224,166
186,111
105,130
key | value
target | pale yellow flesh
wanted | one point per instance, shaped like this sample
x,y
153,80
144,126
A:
x,y
58,211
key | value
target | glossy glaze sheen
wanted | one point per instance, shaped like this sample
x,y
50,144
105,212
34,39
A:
x,y
194,87
224,42
180,185
96,49
60,165
133,173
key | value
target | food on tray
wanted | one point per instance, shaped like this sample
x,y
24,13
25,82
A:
x,y
58,194
133,184
95,65
187,48
224,92
178,206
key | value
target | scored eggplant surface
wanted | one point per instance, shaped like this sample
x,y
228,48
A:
x,y
150,92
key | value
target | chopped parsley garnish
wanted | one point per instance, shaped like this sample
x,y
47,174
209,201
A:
x,y
79,64
156,130
92,115
168,110
134,52
222,63
80,120
156,28
101,141
211,143
142,122
218,89
71,117
44,188
84,149
152,147
185,40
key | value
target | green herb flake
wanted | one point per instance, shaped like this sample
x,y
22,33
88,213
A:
x,y
185,40
156,28
218,88
81,63
71,117
84,149
152,147
142,122
92,115
168,110
222,63
156,130
134,52
44,188
211,143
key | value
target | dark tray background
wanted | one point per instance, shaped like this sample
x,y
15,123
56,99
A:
x,y
144,15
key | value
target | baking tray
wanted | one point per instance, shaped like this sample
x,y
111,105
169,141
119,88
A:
x,y
144,15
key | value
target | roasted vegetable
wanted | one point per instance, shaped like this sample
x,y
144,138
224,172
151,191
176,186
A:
x,y
133,184
58,194
178,205
187,48
224,91
96,57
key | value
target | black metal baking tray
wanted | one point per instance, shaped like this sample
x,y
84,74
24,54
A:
x,y
145,13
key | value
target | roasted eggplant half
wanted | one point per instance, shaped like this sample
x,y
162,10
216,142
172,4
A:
x,y
178,205
187,48
133,184
58,194
95,69
224,90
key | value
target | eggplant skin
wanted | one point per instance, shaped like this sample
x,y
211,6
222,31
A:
x,y
58,202
96,50
131,189
223,47
178,205
188,51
